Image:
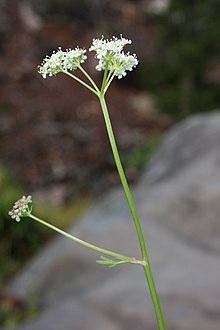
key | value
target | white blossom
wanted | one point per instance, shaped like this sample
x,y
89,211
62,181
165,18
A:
x,y
110,54
52,65
121,63
73,58
61,61
102,46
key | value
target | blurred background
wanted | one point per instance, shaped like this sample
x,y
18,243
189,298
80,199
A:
x,y
53,142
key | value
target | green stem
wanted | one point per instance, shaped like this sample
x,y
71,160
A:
x,y
91,246
109,81
89,78
81,82
154,296
146,264
104,78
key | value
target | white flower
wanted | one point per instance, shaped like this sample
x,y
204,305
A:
x,y
103,46
73,58
21,208
62,61
121,63
52,65
110,54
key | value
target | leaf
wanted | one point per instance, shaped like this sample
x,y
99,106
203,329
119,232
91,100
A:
x,y
110,262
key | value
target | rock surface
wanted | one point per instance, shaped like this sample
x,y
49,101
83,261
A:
x,y
178,201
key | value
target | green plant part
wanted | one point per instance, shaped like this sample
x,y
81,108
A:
x,y
110,262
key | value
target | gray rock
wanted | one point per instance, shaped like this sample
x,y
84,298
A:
x,y
187,167
178,202
71,314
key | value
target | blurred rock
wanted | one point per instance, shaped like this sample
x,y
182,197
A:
x,y
178,202
190,158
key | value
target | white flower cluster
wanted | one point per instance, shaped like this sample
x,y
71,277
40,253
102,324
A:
x,y
61,61
21,208
110,54
103,46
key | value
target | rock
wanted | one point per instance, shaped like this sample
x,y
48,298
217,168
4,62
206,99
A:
x,y
178,202
181,146
73,315
188,165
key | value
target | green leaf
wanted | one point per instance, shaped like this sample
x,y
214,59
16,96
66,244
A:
x,y
110,262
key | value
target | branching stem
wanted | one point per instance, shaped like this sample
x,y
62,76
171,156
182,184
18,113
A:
x,y
115,255
81,82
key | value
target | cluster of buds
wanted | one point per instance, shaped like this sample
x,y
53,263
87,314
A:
x,y
108,52
21,208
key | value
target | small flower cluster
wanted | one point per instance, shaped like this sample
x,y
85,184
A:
x,y
21,208
103,46
111,56
73,58
61,61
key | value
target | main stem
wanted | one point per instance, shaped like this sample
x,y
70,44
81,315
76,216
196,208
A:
x,y
146,265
